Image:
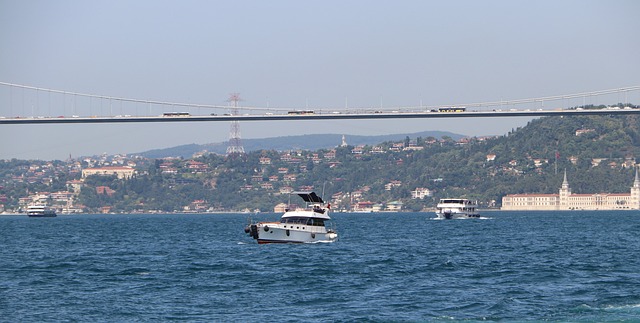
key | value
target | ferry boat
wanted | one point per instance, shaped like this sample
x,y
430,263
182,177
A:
x,y
300,225
456,209
41,211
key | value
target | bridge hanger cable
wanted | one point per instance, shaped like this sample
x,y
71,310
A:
x,y
548,98
193,105
96,96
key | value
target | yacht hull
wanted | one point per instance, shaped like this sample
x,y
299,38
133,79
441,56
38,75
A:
x,y
53,215
450,216
273,232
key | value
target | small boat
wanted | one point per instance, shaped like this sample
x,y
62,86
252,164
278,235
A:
x,y
297,225
456,209
40,211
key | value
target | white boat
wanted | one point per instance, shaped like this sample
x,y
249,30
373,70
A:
x,y
42,211
456,209
297,225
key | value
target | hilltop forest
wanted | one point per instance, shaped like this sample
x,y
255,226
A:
x,y
597,152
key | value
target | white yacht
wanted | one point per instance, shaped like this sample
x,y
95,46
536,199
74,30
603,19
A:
x,y
42,211
297,225
456,209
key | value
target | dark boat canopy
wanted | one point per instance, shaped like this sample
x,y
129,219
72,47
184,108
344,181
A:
x,y
309,197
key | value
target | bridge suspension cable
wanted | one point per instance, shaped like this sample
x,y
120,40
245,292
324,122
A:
x,y
194,105
105,97
555,97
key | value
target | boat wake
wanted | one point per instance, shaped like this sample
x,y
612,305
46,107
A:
x,y
478,218
627,312
630,307
320,241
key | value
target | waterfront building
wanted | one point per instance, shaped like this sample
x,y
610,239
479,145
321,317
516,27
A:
x,y
280,208
394,206
566,200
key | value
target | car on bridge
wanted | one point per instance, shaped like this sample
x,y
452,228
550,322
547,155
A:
x,y
452,109
176,114
300,112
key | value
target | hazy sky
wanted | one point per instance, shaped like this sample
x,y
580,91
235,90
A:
x,y
299,54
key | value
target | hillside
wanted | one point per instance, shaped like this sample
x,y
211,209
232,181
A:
x,y
305,142
524,162
597,152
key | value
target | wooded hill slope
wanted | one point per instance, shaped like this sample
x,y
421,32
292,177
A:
x,y
597,152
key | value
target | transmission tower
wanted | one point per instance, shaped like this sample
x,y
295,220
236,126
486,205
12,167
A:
x,y
235,144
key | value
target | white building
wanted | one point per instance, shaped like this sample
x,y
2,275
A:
x,y
420,193
565,200
121,172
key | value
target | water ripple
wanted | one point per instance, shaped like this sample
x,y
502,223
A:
x,y
579,266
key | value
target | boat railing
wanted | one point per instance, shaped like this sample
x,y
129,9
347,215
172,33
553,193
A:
x,y
330,226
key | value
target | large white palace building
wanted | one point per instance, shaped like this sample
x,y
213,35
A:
x,y
565,200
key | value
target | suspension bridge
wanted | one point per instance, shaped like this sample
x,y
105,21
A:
x,y
22,104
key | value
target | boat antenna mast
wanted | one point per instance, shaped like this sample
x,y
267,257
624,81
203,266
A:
x,y
326,203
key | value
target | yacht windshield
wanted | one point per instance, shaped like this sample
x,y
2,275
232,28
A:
x,y
302,220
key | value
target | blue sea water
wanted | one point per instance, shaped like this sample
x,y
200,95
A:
x,y
405,267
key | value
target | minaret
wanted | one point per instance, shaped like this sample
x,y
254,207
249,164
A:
x,y
565,192
635,193
565,182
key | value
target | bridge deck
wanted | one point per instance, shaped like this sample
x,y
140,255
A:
x,y
315,116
